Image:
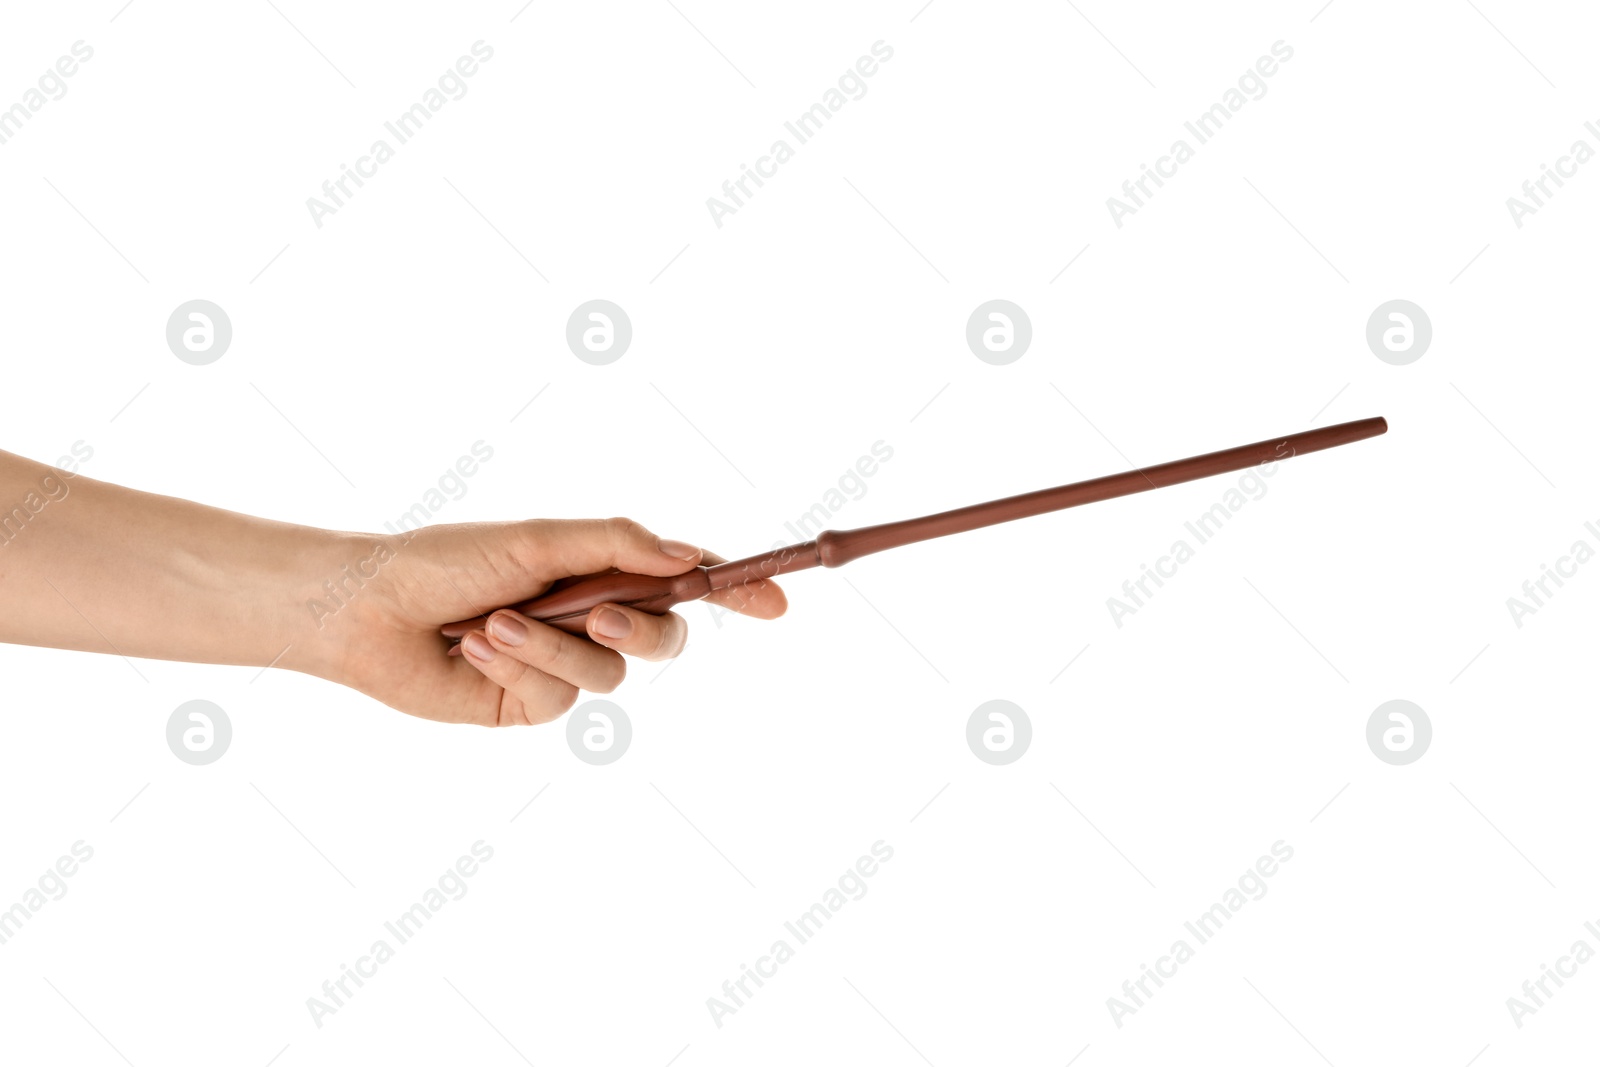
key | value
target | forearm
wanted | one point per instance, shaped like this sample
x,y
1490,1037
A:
x,y
97,567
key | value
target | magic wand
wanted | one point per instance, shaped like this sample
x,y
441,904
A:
x,y
566,604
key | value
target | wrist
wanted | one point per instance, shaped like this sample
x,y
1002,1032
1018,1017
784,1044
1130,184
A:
x,y
325,579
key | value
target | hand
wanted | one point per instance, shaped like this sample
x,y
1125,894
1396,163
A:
x,y
515,670
101,568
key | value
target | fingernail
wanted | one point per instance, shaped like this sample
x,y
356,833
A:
x,y
609,622
679,550
509,630
478,647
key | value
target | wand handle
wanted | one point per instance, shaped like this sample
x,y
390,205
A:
x,y
567,604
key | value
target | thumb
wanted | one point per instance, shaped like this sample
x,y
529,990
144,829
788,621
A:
x,y
557,548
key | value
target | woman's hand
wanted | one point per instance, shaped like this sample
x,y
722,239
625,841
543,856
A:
x,y
98,567
514,670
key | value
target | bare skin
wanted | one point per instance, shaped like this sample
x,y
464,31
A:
x,y
97,567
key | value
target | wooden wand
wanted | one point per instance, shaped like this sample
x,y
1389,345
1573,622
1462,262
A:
x,y
566,604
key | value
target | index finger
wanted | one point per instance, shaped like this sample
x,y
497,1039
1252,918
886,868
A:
x,y
762,599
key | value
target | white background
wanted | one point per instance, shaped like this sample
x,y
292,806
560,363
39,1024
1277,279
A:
x,y
828,314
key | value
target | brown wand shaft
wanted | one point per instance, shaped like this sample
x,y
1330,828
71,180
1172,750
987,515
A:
x,y
568,606
834,548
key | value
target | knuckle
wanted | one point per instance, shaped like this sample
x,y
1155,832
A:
x,y
546,648
670,636
626,532
508,673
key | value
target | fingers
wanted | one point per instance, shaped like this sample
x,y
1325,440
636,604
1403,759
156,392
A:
x,y
637,633
557,548
759,600
555,652
540,668
537,696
